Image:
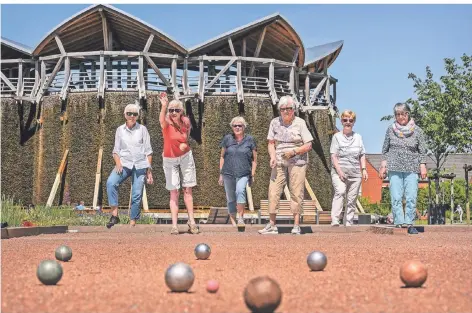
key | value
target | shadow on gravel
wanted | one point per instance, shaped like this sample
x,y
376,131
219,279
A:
x,y
288,229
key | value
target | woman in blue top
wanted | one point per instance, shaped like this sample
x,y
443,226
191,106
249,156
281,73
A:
x,y
238,163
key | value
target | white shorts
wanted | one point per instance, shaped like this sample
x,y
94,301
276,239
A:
x,y
171,170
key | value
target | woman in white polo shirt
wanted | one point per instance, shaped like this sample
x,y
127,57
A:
x,y
348,159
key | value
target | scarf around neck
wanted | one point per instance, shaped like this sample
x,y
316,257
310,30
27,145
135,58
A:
x,y
404,130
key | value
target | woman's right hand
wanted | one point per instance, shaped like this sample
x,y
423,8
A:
x,y
341,174
164,99
118,167
382,173
220,180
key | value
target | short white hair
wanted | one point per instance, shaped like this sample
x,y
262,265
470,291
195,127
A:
x,y
239,119
132,107
286,100
176,103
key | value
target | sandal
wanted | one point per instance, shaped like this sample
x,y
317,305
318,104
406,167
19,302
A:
x,y
174,230
193,228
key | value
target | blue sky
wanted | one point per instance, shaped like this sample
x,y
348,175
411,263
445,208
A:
x,y
382,43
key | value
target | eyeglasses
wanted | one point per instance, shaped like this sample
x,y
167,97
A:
x,y
132,114
402,114
286,109
238,126
174,110
350,120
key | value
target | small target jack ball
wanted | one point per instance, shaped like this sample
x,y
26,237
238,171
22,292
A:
x,y
212,286
63,253
49,272
317,261
262,294
179,277
183,146
413,273
202,251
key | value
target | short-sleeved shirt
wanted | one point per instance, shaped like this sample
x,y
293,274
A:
x,y
288,138
173,137
349,150
238,156
133,146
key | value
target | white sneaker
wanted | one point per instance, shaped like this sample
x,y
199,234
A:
x,y
296,230
269,230
335,224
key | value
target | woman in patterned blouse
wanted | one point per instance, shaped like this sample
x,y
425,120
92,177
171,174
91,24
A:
x,y
404,158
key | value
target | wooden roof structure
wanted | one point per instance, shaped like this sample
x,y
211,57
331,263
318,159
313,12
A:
x,y
318,56
14,50
104,27
270,37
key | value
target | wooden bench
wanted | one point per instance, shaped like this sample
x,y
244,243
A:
x,y
218,216
309,211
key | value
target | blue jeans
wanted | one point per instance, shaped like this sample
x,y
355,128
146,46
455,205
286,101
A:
x,y
403,183
137,181
235,191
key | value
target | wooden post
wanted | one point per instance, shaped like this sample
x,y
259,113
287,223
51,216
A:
x,y
334,92
98,177
201,81
273,93
43,74
313,196
258,50
128,77
292,80
307,90
60,171
327,91
141,84
239,83
67,74
19,84
231,47
101,83
359,206
243,53
250,201
37,78
175,87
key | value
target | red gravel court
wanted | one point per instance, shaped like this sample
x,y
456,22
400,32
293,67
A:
x,y
122,270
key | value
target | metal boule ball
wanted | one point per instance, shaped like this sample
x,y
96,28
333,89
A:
x,y
179,277
262,294
202,251
49,272
63,253
316,261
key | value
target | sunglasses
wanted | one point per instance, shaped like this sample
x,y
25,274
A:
x,y
238,126
286,109
350,120
132,114
174,110
402,114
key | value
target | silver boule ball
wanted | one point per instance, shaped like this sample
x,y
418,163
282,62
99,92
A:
x,y
202,251
49,272
179,277
63,253
316,261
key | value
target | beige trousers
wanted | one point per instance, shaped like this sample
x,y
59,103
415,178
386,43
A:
x,y
296,185
348,189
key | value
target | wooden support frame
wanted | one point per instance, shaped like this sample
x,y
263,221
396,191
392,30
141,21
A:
x,y
101,83
231,47
223,70
57,181
258,50
104,29
185,78
148,43
98,178
313,196
201,80
37,78
19,84
239,82
273,93
295,55
141,83
175,87
10,61
243,53
43,74
156,69
50,79
318,88
60,45
7,81
307,90
67,77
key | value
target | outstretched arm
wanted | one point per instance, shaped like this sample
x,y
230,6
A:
x,y
162,114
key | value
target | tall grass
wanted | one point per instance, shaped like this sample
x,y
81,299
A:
x,y
15,214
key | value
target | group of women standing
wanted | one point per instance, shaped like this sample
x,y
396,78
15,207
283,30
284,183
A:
x,y
289,141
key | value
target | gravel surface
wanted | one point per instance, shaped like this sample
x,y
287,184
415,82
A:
x,y
124,272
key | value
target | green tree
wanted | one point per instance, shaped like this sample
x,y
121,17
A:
x,y
444,109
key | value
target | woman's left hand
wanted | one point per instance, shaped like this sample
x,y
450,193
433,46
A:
x,y
149,178
289,154
365,176
423,171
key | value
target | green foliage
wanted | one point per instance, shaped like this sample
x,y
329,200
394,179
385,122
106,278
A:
x,y
444,109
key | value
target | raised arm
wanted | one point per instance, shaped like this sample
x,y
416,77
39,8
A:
x,y
162,114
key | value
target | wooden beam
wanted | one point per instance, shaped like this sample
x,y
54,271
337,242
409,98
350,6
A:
x,y
164,55
239,85
60,171
156,69
230,42
43,74
148,43
258,50
67,76
201,80
98,177
101,83
243,53
328,91
37,78
250,201
175,87
48,82
110,40
10,61
60,45
104,29
7,81
141,88
359,206
145,200
185,78
318,89
50,57
313,196
223,70
273,93
334,93
307,90
295,55
292,81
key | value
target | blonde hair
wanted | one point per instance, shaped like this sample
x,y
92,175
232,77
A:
x,y
349,113
238,119
286,100
176,104
132,107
